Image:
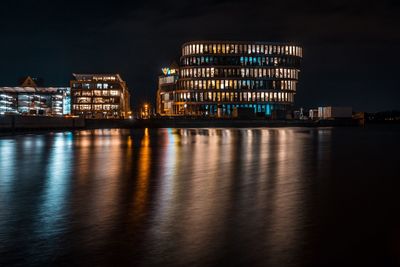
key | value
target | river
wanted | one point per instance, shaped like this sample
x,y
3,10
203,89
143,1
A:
x,y
201,197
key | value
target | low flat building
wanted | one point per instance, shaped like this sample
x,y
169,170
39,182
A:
x,y
335,112
100,96
313,114
31,99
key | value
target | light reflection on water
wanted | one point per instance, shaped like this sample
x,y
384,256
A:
x,y
162,196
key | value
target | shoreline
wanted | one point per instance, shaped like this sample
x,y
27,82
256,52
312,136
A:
x,y
26,124
180,124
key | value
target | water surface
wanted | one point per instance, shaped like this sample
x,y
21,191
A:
x,y
201,197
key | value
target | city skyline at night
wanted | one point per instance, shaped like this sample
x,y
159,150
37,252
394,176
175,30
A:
x,y
199,133
345,42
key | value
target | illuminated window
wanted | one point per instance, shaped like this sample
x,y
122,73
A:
x,y
84,100
85,107
98,100
86,93
97,107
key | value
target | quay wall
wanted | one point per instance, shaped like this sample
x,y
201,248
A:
x,y
17,123
32,123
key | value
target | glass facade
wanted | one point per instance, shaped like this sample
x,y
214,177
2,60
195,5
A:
x,y
48,101
217,78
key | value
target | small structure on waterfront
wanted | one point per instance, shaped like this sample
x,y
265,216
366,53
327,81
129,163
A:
x,y
100,96
32,98
219,79
335,112
145,111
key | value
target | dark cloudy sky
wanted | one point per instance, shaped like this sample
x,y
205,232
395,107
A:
x,y
352,47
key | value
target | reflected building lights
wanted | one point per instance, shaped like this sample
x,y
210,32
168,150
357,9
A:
x,y
144,165
286,199
200,208
167,193
193,192
52,212
104,179
7,166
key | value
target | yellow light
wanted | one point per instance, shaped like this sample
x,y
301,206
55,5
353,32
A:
x,y
165,70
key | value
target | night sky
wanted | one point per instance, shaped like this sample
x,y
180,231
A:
x,y
352,48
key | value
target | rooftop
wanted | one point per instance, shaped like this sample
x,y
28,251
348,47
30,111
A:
x,y
97,77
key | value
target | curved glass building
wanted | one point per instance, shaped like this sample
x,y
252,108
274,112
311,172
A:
x,y
226,78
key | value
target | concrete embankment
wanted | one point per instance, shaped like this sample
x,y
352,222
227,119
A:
x,y
237,123
33,123
29,123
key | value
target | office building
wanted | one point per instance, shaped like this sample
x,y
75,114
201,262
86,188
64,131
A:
x,y
167,87
32,98
221,78
100,96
